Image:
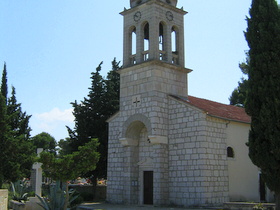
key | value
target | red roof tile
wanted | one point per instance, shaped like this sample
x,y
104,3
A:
x,y
216,109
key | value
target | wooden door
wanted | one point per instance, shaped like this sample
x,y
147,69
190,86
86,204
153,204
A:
x,y
148,187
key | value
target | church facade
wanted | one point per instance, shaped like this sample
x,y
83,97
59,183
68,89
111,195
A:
x,y
166,147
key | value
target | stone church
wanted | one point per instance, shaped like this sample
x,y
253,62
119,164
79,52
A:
x,y
166,147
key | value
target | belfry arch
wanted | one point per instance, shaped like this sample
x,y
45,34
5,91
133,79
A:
x,y
163,41
145,41
175,43
132,45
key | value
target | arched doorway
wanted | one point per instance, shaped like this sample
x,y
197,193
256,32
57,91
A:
x,y
139,164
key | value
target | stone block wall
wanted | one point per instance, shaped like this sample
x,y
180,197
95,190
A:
x,y
144,90
152,76
161,175
3,199
115,173
216,161
184,170
191,170
197,157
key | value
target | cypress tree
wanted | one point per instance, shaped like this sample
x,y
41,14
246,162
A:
x,y
239,94
4,131
112,86
263,99
23,152
4,86
94,104
110,105
16,151
88,113
9,167
91,115
18,120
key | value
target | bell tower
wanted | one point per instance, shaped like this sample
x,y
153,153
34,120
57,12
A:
x,y
153,30
153,49
153,69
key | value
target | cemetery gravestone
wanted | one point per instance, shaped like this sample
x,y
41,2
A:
x,y
38,174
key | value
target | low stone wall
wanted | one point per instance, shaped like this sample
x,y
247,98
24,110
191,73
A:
x,y
32,204
247,206
98,192
15,205
3,199
82,188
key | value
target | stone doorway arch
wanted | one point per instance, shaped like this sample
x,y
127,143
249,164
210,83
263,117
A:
x,y
138,152
144,152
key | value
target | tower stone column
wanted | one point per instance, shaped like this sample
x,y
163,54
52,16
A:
x,y
167,45
131,172
161,188
154,39
139,44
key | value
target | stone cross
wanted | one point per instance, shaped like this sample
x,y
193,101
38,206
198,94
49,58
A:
x,y
136,101
38,168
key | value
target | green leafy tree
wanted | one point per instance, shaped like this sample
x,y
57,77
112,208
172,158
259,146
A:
x,y
45,141
70,166
263,99
91,114
64,145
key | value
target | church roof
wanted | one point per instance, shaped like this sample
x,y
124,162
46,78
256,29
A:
x,y
215,109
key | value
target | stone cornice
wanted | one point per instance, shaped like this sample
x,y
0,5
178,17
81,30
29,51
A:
x,y
167,6
156,63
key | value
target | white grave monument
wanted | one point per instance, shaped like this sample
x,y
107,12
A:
x,y
33,203
38,168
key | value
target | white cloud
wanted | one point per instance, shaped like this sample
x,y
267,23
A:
x,y
56,115
52,122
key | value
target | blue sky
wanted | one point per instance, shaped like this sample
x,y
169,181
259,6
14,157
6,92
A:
x,y
51,47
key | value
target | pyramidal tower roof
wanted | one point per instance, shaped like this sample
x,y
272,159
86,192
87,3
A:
x,y
134,3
